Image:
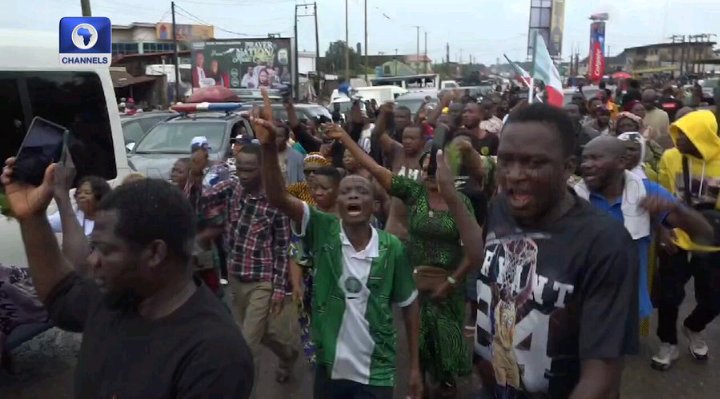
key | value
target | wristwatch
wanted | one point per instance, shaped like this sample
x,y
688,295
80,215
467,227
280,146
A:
x,y
451,280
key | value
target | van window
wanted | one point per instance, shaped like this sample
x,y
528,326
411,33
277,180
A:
x,y
75,100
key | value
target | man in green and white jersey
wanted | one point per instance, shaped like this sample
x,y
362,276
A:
x,y
359,273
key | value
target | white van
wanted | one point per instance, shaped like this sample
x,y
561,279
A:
x,y
34,83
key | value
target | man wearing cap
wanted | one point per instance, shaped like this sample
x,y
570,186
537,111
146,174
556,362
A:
x,y
208,245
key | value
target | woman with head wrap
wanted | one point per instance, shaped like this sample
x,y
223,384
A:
x,y
637,108
636,147
318,190
628,122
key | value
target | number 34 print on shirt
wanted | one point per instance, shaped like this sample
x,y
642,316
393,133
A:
x,y
545,299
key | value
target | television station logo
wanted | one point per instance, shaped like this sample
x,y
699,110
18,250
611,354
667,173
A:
x,y
85,41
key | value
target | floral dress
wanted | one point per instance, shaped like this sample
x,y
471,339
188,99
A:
x,y
434,240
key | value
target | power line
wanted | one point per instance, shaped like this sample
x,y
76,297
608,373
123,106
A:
x,y
190,15
236,4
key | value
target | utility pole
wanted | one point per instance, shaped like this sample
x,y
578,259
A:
x,y
295,78
425,59
347,43
396,61
417,53
175,50
85,5
366,41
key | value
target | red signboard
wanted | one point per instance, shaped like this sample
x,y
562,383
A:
x,y
596,63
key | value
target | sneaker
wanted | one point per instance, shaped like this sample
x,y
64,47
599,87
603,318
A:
x,y
665,357
697,346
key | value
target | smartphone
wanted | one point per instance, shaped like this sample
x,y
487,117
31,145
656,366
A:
x,y
43,145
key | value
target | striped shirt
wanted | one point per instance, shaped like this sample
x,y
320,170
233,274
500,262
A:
x,y
257,236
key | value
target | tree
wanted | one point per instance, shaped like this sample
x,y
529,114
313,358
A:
x,y
334,61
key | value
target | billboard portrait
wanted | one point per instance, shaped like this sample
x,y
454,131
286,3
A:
x,y
596,67
243,63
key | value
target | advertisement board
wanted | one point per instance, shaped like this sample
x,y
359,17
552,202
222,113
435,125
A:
x,y
596,63
185,33
243,63
540,23
557,26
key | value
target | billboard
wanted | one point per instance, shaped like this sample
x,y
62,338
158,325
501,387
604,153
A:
x,y
540,23
163,31
243,63
557,25
596,61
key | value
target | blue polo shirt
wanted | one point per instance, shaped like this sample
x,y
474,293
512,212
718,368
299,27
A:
x,y
614,209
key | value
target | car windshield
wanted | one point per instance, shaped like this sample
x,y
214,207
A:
x,y
413,104
175,138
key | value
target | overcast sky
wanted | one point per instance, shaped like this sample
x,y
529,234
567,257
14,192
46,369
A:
x,y
484,28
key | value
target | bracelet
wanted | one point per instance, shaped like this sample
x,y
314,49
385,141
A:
x,y
451,280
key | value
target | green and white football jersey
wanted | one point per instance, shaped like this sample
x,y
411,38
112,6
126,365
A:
x,y
353,293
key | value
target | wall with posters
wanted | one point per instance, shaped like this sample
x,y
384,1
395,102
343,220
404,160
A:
x,y
243,63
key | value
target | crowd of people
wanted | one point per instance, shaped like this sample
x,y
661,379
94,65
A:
x,y
548,235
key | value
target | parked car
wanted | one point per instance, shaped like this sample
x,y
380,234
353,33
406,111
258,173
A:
x,y
155,154
304,111
414,100
136,126
81,98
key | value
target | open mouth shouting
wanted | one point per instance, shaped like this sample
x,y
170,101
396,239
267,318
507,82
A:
x,y
518,198
354,210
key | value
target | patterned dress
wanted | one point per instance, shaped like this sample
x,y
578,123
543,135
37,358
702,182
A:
x,y
434,240
302,258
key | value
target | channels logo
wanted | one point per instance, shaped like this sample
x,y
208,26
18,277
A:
x,y
85,41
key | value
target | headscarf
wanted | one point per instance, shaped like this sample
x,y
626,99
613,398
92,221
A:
x,y
316,158
636,137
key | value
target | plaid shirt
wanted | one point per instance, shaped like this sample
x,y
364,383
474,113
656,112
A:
x,y
257,236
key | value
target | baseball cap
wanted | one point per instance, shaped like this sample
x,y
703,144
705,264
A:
x,y
199,142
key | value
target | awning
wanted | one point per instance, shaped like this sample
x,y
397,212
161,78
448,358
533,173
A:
x,y
124,79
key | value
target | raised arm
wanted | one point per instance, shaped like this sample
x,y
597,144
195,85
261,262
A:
x,y
470,232
471,159
75,245
48,266
382,175
380,133
270,167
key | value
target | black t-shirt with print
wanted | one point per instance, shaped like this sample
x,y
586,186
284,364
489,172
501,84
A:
x,y
569,293
196,352
488,145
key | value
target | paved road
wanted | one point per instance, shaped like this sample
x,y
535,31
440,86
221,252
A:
x,y
45,364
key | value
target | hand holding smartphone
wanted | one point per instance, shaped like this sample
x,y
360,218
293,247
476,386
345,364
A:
x,y
43,145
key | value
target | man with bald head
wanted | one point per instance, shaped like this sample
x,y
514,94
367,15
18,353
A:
x,y
656,118
638,203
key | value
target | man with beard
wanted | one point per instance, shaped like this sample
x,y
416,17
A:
x,y
583,134
149,329
580,313
639,203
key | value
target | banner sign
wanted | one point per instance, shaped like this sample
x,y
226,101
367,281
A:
x,y
596,61
184,33
243,63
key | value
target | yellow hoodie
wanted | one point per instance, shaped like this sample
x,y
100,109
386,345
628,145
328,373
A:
x,y
701,128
